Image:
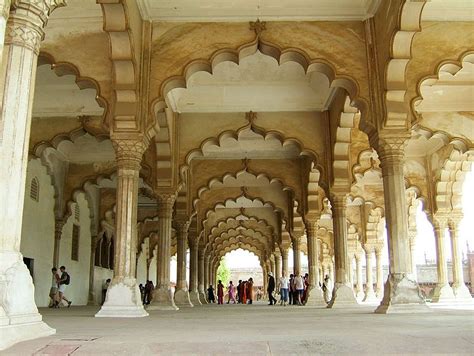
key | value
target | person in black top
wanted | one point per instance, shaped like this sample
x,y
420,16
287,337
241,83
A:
x,y
270,289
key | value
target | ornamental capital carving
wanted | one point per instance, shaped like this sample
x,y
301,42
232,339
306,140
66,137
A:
x,y
129,153
26,21
390,146
165,204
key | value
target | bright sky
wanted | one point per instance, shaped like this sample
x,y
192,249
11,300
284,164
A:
x,y
425,236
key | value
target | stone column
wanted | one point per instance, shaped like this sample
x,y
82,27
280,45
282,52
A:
x,y
412,242
22,34
296,241
91,299
163,298
461,292
277,267
207,272
315,293
379,268
202,293
181,295
123,297
443,291
369,286
360,283
342,294
401,292
58,231
273,265
193,271
284,262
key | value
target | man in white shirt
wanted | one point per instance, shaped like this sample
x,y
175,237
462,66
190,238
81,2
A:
x,y
283,285
299,288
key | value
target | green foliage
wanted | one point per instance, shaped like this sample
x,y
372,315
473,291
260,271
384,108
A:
x,y
223,273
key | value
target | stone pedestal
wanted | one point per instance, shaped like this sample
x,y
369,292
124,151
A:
x,y
123,300
194,298
19,317
182,299
123,297
343,295
400,293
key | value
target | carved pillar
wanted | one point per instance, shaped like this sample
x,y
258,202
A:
x,y
461,292
202,293
284,262
277,266
360,282
5,12
296,242
58,231
401,291
163,298
123,296
443,291
379,268
342,295
91,299
369,286
193,270
181,295
412,242
273,265
207,272
315,293
19,317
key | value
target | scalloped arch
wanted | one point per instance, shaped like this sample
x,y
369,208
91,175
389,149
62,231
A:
x,y
449,67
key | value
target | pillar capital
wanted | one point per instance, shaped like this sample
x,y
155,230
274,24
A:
x,y
129,153
338,201
165,204
26,21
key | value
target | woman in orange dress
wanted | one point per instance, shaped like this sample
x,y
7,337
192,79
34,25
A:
x,y
243,292
250,290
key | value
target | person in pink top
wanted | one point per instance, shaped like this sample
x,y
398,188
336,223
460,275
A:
x,y
231,290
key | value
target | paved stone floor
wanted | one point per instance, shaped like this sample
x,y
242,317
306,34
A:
x,y
254,330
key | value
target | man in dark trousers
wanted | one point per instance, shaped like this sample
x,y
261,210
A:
x,y
271,288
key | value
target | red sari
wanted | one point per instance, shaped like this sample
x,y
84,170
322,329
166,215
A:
x,y
243,292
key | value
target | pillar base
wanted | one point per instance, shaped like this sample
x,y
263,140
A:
x,y
315,298
462,293
202,298
360,295
11,334
443,294
181,298
401,295
194,298
19,317
343,297
162,300
123,300
370,296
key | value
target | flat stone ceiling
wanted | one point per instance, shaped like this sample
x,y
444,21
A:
x,y
246,10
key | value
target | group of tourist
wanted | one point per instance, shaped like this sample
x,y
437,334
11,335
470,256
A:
x,y
59,284
146,292
294,290
243,293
